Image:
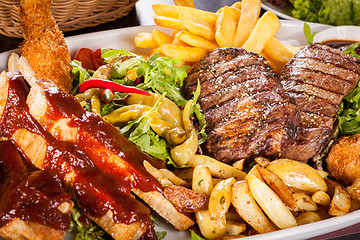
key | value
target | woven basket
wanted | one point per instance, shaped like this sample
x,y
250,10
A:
x,y
70,15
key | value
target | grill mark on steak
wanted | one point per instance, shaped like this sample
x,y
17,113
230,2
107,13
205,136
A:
x,y
210,68
327,82
300,87
315,105
324,67
247,111
318,77
240,90
228,78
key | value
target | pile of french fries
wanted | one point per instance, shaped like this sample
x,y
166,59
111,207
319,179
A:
x,y
196,32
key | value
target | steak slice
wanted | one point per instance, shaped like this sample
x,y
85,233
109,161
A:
x,y
318,77
248,113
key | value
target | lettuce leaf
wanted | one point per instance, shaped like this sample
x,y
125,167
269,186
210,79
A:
x,y
84,231
161,76
80,74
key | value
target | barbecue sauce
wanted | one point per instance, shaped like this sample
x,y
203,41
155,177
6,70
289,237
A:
x,y
97,191
30,196
339,44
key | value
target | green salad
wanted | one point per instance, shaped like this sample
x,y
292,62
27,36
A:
x,y
332,12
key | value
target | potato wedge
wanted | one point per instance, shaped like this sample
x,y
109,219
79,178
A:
x,y
225,27
298,175
250,11
307,217
340,203
196,41
304,202
202,180
168,22
264,30
197,26
184,53
320,197
248,209
272,205
145,40
172,11
235,227
220,198
354,190
161,38
217,168
210,229
279,187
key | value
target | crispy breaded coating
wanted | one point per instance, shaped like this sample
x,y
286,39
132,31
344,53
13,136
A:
x,y
343,161
44,46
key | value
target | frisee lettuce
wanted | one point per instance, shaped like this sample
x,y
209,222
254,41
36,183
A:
x,y
161,76
84,231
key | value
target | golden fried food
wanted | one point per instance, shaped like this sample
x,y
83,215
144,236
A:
x,y
44,46
343,161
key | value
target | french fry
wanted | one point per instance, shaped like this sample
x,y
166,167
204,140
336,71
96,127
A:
x,y
202,180
196,41
220,198
237,5
217,168
340,203
161,38
250,11
225,27
264,30
276,66
307,217
298,175
172,11
272,205
246,206
185,3
279,187
145,40
197,26
276,51
184,53
293,49
168,22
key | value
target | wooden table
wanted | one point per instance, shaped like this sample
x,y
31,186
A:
x,y
141,16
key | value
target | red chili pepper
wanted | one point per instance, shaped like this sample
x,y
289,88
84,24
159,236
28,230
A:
x,y
106,84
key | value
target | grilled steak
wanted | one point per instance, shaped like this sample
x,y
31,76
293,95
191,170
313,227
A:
x,y
248,113
318,77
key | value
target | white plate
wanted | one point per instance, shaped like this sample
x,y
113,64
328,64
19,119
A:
x,y
290,33
284,13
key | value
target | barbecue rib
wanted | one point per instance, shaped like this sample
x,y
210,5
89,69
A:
x,y
108,205
248,113
102,143
317,78
32,203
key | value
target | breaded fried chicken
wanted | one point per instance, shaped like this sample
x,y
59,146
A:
x,y
44,46
343,161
